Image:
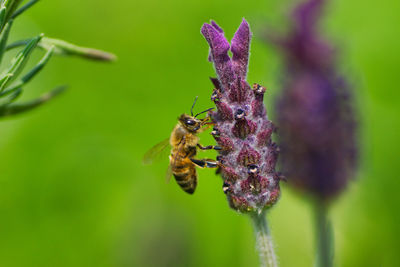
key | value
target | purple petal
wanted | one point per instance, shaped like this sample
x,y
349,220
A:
x,y
215,25
219,52
240,49
218,28
216,83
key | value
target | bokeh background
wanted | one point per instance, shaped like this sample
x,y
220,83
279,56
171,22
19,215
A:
x,y
73,190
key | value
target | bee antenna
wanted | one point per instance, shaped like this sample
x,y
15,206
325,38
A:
x,y
194,103
203,112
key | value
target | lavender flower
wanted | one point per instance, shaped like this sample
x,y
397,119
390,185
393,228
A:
x,y
242,128
314,112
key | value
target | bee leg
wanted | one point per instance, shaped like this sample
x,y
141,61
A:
x,y
209,147
206,122
206,126
205,163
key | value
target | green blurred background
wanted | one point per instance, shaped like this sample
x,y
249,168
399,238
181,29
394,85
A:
x,y
75,193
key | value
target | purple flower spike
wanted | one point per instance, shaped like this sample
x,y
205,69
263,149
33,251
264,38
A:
x,y
242,129
315,113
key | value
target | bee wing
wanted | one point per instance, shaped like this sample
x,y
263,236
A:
x,y
153,153
173,159
168,174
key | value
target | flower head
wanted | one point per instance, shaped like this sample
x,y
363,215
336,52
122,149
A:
x,y
242,129
314,111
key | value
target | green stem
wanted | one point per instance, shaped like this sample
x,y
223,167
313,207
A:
x,y
324,238
264,242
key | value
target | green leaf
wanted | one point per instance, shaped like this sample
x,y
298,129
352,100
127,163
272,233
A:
x,y
11,6
11,98
35,70
19,61
27,77
13,109
3,81
24,8
65,48
3,38
2,17
18,44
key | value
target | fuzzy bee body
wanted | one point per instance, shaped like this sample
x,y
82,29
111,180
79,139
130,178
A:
x,y
184,148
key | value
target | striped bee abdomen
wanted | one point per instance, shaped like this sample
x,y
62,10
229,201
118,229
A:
x,y
185,175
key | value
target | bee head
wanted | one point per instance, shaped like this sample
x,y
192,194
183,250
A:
x,y
192,124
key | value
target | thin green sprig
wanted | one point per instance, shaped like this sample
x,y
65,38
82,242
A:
x,y
11,85
64,48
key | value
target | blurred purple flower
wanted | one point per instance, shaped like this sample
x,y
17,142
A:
x,y
242,129
314,111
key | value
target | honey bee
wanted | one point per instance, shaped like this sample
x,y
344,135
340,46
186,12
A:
x,y
184,142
